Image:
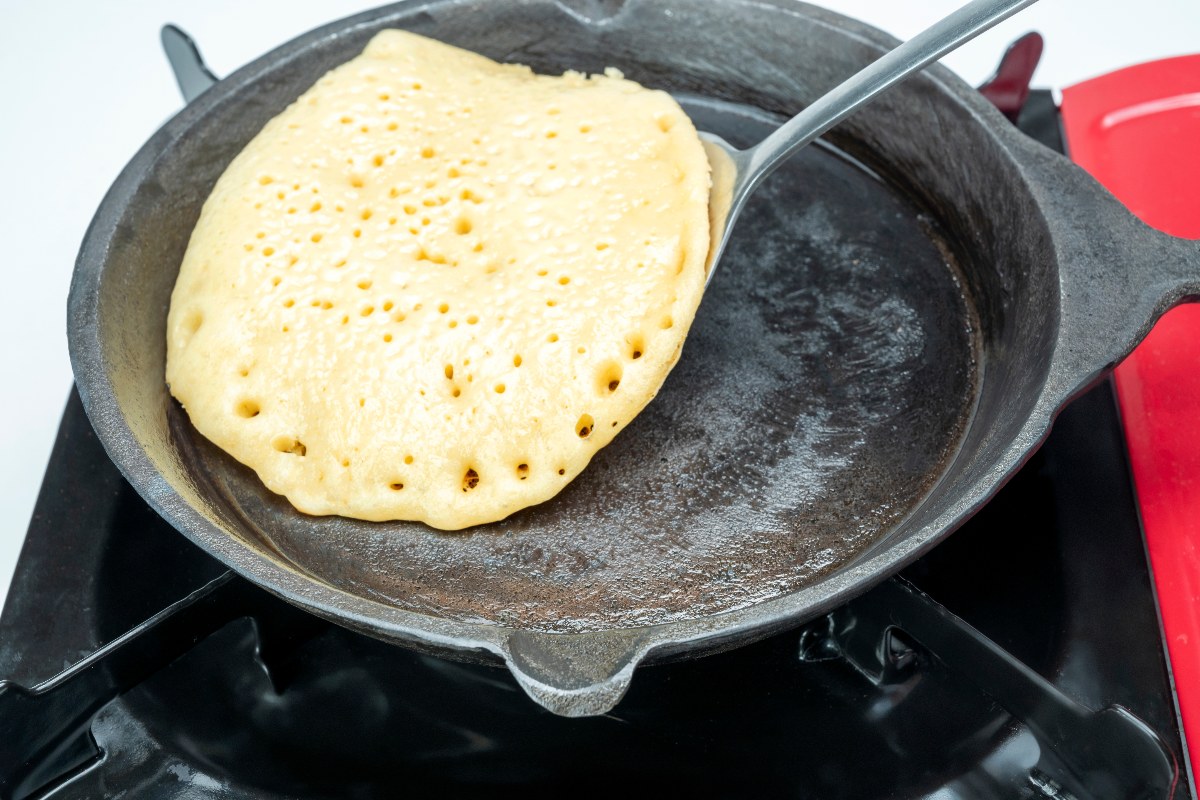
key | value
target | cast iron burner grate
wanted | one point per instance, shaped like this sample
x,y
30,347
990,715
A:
x,y
1021,659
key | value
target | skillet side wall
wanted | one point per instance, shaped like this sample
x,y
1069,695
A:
x,y
921,139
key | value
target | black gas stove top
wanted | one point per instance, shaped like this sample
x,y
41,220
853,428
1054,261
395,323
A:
x,y
1021,659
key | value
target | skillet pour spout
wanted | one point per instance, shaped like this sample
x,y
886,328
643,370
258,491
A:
x,y
907,305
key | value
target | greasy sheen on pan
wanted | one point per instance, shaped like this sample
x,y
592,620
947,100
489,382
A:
x,y
434,286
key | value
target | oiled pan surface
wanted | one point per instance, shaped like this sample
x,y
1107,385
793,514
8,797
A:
x,y
826,381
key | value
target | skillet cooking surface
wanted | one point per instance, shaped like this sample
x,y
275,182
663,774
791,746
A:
x,y
825,384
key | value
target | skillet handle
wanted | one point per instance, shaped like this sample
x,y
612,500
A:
x,y
575,675
191,73
1117,275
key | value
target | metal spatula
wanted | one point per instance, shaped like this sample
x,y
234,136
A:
x,y
737,173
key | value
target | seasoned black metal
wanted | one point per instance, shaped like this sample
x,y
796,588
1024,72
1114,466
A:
x,y
855,387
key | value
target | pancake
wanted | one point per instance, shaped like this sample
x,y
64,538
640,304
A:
x,y
435,286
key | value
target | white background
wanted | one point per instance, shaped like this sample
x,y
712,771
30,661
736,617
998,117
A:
x,y
83,84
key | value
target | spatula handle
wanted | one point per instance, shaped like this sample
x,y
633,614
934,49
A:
x,y
914,55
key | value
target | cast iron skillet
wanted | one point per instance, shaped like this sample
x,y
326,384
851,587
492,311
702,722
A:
x,y
897,322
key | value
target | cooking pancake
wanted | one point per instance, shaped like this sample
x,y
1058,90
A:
x,y
434,286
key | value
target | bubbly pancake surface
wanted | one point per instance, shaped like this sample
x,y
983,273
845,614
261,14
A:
x,y
434,286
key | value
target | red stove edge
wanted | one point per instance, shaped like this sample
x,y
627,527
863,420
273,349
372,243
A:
x,y
1137,131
